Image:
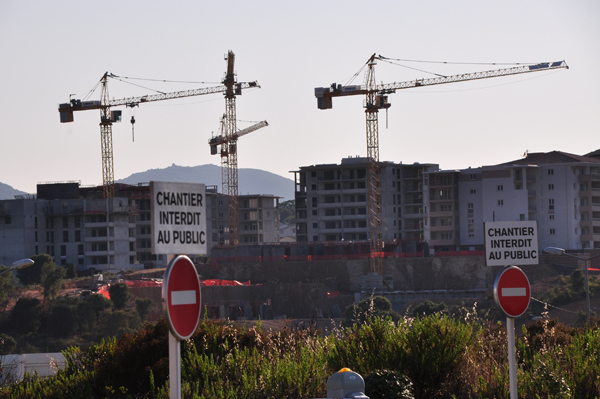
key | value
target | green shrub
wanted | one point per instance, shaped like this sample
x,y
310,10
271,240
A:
x,y
387,384
431,351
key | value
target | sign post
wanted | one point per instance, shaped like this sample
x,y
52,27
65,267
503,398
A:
x,y
179,227
181,307
512,294
511,243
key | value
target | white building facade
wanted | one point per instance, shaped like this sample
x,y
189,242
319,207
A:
x,y
558,190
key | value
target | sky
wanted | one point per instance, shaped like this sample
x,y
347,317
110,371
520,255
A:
x,y
52,49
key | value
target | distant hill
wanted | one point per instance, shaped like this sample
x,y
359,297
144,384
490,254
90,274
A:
x,y
250,181
7,192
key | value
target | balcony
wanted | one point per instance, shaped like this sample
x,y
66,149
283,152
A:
x,y
435,243
435,214
442,228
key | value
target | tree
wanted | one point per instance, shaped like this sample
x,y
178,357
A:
x,y
428,307
287,211
143,307
26,315
70,269
98,303
7,286
119,295
577,279
33,274
62,319
52,279
375,303
7,344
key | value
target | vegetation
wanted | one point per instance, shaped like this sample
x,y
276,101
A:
x,y
287,211
429,357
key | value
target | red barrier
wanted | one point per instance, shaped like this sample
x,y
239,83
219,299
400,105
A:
x,y
223,282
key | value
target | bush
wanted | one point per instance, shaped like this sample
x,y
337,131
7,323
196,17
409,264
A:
x,y
428,308
431,350
387,384
119,295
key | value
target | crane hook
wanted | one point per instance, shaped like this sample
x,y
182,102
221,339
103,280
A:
x,y
132,123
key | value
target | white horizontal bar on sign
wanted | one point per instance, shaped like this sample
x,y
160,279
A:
x,y
183,297
521,291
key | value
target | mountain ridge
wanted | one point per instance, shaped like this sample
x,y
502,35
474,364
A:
x,y
250,181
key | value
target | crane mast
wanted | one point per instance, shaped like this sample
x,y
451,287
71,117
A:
x,y
108,117
228,143
373,176
108,174
229,170
376,99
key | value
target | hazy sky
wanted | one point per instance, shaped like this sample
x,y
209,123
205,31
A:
x,y
51,49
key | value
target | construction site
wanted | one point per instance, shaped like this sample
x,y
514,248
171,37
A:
x,y
334,264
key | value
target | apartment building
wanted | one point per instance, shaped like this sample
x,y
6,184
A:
x,y
560,191
331,201
258,215
98,233
76,225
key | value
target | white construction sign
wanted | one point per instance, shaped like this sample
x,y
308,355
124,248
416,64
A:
x,y
511,243
178,218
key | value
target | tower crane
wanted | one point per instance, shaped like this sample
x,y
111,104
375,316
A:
x,y
108,117
376,99
228,143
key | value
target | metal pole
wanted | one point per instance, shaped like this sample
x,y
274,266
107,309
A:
x,y
587,288
512,357
174,367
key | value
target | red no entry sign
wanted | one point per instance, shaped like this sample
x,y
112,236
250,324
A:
x,y
512,291
181,297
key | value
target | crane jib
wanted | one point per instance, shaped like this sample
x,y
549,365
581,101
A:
x,y
337,90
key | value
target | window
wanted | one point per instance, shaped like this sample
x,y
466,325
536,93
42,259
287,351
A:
x,y
500,202
552,232
500,187
470,207
314,212
550,171
80,249
550,186
473,191
551,204
521,216
471,235
65,222
315,225
551,217
65,236
63,250
472,177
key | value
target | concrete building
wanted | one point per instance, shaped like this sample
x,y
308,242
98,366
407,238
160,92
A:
x,y
558,190
331,201
259,218
75,225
